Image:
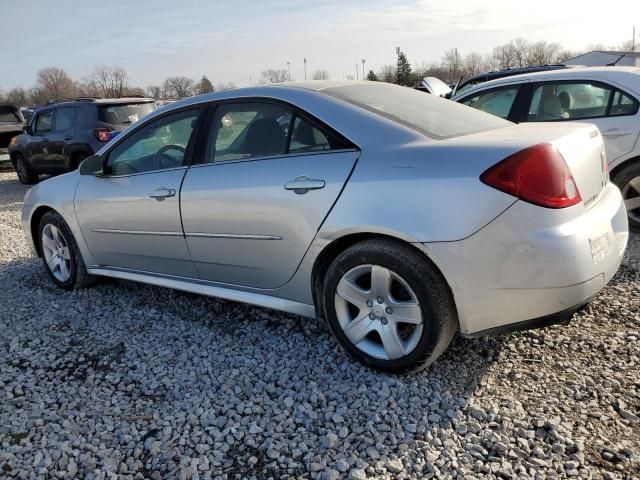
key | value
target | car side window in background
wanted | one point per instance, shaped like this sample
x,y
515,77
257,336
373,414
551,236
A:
x,y
497,102
159,145
308,138
623,104
248,130
43,123
64,119
568,101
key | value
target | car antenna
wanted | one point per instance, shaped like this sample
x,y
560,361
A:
x,y
613,64
455,88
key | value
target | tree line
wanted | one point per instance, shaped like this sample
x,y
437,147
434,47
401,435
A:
x,y
104,82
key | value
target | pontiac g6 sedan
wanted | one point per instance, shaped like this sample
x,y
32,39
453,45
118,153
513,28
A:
x,y
398,217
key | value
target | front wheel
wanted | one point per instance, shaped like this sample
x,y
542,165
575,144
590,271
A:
x,y
61,254
25,175
389,306
628,181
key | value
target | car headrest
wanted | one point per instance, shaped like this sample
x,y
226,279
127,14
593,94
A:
x,y
304,133
565,100
551,107
265,136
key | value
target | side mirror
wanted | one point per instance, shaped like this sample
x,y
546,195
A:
x,y
27,129
92,166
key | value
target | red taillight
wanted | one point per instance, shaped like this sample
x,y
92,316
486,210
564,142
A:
x,y
537,175
102,134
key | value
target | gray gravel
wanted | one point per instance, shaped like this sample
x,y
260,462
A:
x,y
140,382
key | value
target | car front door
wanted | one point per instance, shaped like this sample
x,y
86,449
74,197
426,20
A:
x,y
267,180
38,146
130,216
613,111
59,137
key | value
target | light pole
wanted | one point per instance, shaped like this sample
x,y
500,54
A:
x,y
289,68
363,60
305,68
356,71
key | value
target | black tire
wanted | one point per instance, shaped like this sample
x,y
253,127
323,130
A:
x,y
75,161
622,180
440,320
79,277
24,172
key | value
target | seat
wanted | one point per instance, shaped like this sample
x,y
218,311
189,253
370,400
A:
x,y
551,108
265,136
565,101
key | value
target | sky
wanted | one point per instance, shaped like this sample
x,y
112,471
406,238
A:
x,y
234,40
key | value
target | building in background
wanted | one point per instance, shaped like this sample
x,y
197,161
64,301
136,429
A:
x,y
599,58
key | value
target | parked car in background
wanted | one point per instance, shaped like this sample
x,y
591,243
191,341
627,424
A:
x,y
496,74
11,123
608,97
391,213
62,134
27,113
434,86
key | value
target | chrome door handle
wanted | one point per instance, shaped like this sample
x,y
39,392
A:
x,y
616,132
162,193
303,184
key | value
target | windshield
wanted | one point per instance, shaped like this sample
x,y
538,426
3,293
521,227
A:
x,y
124,113
432,116
9,114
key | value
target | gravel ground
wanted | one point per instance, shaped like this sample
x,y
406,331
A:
x,y
132,381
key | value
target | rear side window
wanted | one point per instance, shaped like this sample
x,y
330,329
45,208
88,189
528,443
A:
x,y
64,119
623,104
124,113
429,115
497,102
569,101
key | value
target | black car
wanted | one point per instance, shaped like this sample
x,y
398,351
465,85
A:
x,y
62,134
508,72
11,123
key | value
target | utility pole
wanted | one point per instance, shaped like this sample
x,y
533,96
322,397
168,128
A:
x,y
363,60
633,40
289,68
356,71
305,68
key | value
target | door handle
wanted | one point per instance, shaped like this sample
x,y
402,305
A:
x,y
616,132
162,193
68,137
303,184
45,139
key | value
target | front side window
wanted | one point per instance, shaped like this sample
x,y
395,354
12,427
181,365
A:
x,y
158,145
65,118
43,123
568,101
496,102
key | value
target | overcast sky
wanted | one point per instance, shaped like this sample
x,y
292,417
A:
x,y
234,40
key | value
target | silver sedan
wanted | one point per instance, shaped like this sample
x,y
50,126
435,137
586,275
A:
x,y
397,216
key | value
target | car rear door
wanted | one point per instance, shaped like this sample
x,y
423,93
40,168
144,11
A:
x,y
130,217
613,111
266,181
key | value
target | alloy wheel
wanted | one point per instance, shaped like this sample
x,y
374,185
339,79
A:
x,y
631,196
56,252
378,312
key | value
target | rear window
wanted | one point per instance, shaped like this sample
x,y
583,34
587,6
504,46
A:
x,y
124,113
432,116
9,114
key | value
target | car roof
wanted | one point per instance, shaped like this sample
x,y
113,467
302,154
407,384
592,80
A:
x,y
627,77
507,72
96,101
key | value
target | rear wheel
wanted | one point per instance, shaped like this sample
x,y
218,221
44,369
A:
x,y
628,181
61,254
25,175
389,306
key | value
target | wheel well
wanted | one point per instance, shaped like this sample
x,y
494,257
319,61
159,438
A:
x,y
73,156
338,246
35,225
624,164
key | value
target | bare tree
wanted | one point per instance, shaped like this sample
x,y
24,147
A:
x,y
473,64
178,87
272,75
520,48
18,96
320,75
452,63
154,91
543,53
386,74
53,82
109,81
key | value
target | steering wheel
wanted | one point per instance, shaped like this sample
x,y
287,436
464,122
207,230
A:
x,y
162,160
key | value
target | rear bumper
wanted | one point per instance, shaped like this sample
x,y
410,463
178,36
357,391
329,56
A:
x,y
533,266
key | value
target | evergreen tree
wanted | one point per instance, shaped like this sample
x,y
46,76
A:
x,y
403,71
204,86
372,76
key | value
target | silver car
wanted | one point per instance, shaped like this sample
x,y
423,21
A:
x,y
398,217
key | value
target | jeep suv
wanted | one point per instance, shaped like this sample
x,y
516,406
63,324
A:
x,y
63,133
